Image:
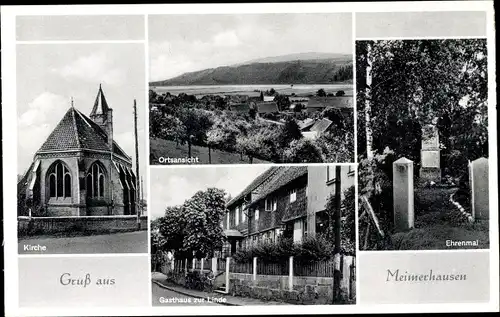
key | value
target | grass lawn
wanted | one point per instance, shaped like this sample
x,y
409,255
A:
x,y
165,148
434,224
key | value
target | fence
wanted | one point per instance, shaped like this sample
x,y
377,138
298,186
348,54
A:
x,y
273,268
289,275
246,267
317,268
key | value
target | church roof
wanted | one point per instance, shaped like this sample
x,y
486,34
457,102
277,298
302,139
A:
x,y
100,104
76,131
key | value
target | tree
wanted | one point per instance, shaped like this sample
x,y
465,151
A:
x,y
261,96
404,85
152,96
171,227
193,228
340,93
196,123
302,151
204,213
272,91
321,93
172,128
289,132
283,102
299,107
248,145
252,112
335,115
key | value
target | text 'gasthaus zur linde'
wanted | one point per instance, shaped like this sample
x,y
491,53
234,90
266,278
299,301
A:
x,y
430,276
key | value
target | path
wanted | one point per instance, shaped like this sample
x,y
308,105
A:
x,y
435,224
166,297
123,242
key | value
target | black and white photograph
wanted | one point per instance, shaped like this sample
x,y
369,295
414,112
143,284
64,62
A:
x,y
81,174
422,121
253,235
251,88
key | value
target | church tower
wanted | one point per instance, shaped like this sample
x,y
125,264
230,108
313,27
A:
x,y
103,116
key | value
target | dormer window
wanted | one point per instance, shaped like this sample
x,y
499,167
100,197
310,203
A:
x,y
293,195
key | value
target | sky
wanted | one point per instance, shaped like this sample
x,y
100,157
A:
x,y
79,27
171,186
49,75
185,43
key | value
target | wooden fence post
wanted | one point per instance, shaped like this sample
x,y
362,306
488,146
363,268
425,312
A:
x,y
194,264
185,267
228,259
254,269
290,274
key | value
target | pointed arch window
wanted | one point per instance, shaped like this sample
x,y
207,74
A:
x,y
59,181
95,181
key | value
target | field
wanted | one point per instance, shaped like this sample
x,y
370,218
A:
x,y
253,90
166,148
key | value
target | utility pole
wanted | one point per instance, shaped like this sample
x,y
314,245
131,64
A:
x,y
137,185
336,229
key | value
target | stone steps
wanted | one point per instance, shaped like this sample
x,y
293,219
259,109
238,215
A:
x,y
221,290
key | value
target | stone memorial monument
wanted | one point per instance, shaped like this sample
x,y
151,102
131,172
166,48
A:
x,y
479,186
402,185
430,168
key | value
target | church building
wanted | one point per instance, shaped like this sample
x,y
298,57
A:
x,y
80,170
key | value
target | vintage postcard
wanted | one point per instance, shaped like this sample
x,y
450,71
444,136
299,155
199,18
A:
x,y
295,158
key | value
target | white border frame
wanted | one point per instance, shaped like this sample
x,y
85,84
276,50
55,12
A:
x,y
10,158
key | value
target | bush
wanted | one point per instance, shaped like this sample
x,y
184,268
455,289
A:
x,y
316,248
303,151
199,281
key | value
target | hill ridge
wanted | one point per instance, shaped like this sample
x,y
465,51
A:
x,y
310,71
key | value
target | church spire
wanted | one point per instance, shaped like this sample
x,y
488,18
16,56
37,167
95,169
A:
x,y
102,114
100,104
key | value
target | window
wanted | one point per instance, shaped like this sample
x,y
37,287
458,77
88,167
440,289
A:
x,y
243,213
330,173
256,214
350,172
275,204
293,195
237,216
268,204
95,181
59,181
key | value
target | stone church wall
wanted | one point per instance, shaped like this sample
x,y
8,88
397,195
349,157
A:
x,y
50,225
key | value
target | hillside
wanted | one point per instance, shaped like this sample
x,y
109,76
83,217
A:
x,y
310,71
308,56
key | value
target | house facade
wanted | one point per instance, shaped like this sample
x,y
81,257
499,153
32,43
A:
x,y
284,201
80,170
